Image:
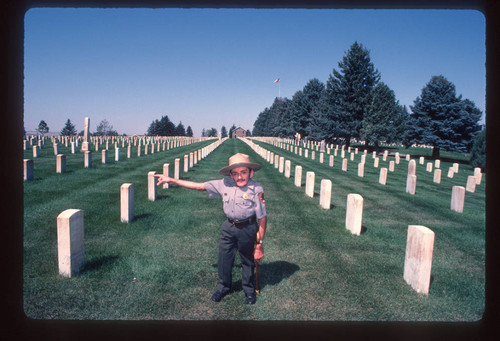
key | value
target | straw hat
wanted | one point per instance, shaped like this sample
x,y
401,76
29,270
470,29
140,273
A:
x,y
239,160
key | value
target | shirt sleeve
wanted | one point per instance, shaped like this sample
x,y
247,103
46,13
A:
x,y
260,208
214,188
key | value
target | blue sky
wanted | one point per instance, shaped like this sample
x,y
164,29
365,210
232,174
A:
x,y
209,68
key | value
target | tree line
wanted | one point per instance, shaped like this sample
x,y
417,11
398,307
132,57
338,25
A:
x,y
104,128
354,105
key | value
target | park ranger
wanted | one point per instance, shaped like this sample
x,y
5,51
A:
x,y
244,206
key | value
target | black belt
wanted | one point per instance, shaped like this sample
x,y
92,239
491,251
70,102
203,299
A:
x,y
243,222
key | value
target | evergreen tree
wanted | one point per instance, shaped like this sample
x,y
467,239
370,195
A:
x,y
260,123
478,151
398,134
43,128
179,130
279,112
153,128
203,133
162,127
233,127
189,132
69,129
349,91
321,126
441,119
223,131
166,127
382,115
303,104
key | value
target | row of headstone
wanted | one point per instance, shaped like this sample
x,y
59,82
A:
x,y
99,140
411,182
61,159
420,239
70,224
189,161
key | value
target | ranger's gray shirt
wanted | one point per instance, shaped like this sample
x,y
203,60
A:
x,y
238,202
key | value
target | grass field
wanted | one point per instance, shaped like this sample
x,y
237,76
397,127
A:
x,y
162,265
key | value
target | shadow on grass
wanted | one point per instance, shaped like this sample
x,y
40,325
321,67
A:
x,y
269,274
99,262
162,196
275,272
141,216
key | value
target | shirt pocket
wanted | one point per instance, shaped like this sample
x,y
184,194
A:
x,y
245,201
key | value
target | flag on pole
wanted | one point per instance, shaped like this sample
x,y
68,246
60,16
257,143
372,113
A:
x,y
277,81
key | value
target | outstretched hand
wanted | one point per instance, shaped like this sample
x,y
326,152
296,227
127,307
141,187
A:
x,y
163,179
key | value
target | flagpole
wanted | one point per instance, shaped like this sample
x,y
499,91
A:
x,y
279,87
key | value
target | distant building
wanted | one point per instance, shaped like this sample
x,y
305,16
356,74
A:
x,y
239,132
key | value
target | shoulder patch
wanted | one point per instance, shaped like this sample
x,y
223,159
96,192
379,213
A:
x,y
261,197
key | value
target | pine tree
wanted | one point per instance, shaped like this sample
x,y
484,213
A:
x,y
381,117
233,127
478,151
163,127
189,131
273,121
180,130
349,91
223,131
441,119
303,104
69,129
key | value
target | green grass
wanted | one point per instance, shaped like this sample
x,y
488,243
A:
x,y
313,269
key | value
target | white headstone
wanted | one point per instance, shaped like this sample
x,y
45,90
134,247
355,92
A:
x,y
354,213
382,179
151,186
457,198
418,258
325,194
310,184
471,183
437,175
478,175
127,202
288,167
298,176
361,169
166,171
344,165
177,168
28,169
104,156
70,242
61,163
412,165
411,184
88,159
